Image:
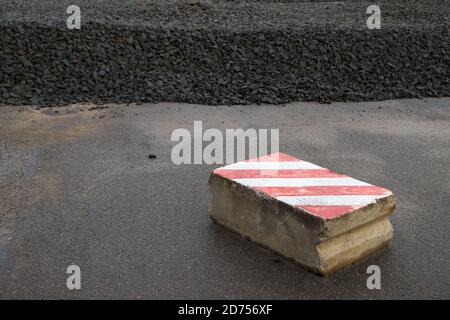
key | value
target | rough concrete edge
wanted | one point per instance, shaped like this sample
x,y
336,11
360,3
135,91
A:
x,y
318,271
331,227
382,238
265,196
323,236
344,223
267,248
312,225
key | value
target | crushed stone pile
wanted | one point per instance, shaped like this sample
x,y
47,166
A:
x,y
222,52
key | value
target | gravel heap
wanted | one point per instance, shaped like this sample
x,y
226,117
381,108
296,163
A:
x,y
222,52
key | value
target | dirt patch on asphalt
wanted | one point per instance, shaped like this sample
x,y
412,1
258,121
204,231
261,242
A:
x,y
28,126
48,187
9,199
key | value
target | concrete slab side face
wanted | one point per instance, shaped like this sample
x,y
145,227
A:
x,y
321,219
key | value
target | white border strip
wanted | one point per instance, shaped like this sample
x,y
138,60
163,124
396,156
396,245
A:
x,y
353,200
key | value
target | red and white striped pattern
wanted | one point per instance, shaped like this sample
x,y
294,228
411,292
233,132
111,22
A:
x,y
302,184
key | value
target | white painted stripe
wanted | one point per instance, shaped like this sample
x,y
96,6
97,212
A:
x,y
271,165
299,182
329,200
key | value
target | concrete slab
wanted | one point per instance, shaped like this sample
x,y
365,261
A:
x,y
321,219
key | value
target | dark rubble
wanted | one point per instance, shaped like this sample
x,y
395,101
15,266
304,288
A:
x,y
222,52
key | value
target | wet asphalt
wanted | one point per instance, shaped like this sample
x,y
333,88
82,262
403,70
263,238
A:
x,y
77,186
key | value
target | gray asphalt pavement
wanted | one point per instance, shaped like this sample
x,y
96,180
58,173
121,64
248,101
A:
x,y
77,186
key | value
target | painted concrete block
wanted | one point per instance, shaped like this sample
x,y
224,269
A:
x,y
318,218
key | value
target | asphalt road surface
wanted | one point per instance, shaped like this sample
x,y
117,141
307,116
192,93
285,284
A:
x,y
77,186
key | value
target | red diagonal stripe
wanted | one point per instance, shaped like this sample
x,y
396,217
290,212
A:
x,y
327,190
298,173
